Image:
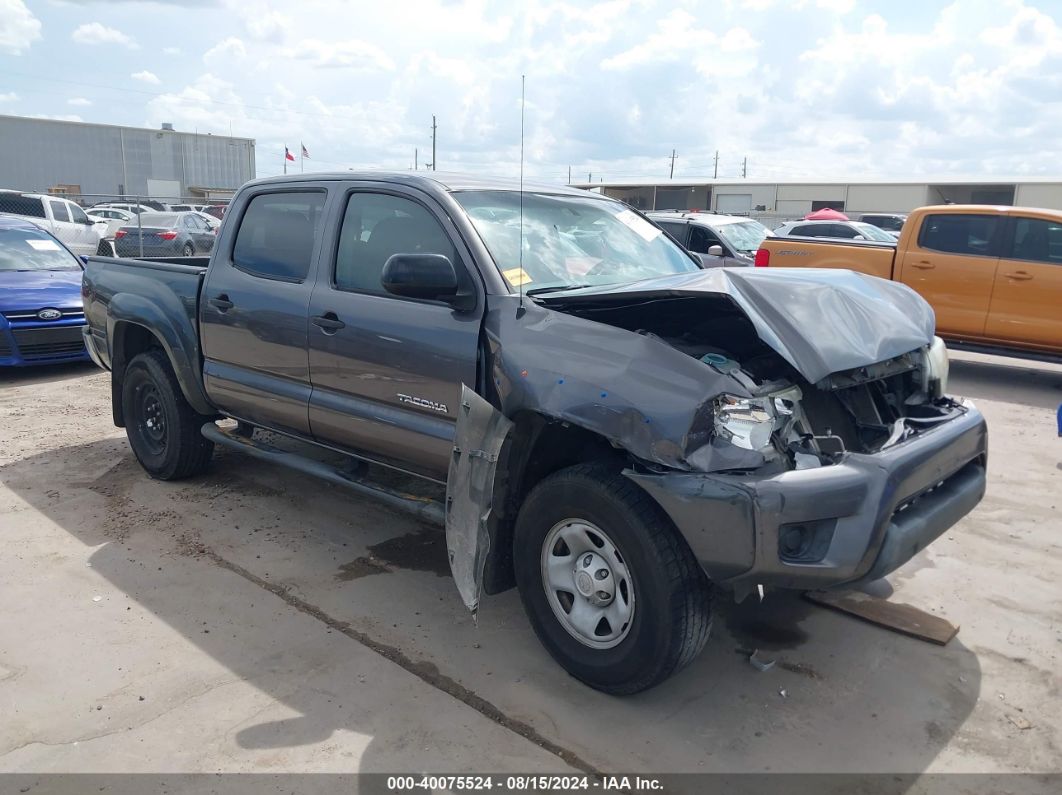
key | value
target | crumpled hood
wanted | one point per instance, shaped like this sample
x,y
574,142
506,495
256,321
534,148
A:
x,y
821,320
38,289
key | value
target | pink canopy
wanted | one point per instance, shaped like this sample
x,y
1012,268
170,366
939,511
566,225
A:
x,y
826,214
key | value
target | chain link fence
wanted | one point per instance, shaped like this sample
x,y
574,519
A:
x,y
87,222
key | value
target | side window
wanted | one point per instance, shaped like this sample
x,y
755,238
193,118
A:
x,y
377,225
1037,240
840,230
190,224
676,230
276,235
21,205
59,212
807,230
78,214
701,239
960,234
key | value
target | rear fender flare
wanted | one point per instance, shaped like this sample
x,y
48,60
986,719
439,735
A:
x,y
181,345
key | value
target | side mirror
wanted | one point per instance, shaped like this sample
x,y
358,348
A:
x,y
427,276
715,251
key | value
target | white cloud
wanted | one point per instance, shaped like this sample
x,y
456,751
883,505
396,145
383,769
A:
x,y
171,50
96,33
349,54
267,25
79,102
10,96
146,77
19,28
230,47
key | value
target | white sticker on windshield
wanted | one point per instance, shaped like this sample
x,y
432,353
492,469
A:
x,y
44,245
638,224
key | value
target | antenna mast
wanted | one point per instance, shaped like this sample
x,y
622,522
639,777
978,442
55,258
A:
x,y
523,84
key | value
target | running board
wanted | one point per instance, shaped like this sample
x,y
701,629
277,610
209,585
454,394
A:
x,y
422,508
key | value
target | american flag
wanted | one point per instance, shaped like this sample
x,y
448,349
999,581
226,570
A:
x,y
304,152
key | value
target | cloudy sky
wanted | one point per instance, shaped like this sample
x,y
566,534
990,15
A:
x,y
802,88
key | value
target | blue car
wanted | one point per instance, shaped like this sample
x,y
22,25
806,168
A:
x,y
41,314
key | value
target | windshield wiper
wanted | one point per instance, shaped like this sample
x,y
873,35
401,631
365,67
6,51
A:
x,y
557,289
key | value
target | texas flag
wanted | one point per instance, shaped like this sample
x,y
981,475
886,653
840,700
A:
x,y
288,155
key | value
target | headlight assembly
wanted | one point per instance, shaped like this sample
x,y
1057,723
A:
x,y
935,372
745,422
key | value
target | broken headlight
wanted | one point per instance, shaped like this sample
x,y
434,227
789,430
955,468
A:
x,y
935,371
745,422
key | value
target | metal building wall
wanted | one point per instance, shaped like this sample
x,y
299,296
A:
x,y
38,154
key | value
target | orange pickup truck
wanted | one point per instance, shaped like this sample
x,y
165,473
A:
x,y
992,274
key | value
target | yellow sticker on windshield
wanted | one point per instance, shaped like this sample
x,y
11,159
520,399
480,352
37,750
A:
x,y
516,276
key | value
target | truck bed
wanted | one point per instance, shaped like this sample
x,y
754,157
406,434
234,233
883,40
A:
x,y
161,295
865,256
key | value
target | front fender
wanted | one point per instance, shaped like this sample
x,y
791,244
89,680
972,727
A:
x,y
173,325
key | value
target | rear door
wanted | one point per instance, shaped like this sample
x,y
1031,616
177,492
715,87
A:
x,y
253,310
952,263
202,237
1027,298
387,371
84,231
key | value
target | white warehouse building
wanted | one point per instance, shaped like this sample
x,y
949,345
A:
x,y
796,199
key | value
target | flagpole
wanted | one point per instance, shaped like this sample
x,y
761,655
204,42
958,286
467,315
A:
x,y
285,160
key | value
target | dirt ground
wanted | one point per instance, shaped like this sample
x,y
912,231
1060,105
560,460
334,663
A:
x,y
253,619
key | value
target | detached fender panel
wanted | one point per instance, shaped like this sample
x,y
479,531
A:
x,y
480,433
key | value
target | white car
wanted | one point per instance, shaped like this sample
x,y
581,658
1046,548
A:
x,y
838,230
113,218
62,217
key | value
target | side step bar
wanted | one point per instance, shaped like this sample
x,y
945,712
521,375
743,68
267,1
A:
x,y
422,508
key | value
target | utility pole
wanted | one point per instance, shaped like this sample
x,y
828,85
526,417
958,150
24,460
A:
x,y
672,176
416,163
589,177
433,126
715,173
569,175
745,167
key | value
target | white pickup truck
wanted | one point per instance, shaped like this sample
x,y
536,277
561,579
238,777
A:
x,y
62,217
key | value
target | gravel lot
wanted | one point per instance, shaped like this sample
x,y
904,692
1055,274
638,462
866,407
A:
x,y
256,620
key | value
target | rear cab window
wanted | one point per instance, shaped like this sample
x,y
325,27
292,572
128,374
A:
x,y
277,234
1036,240
970,234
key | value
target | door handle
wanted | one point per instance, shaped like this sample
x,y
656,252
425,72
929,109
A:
x,y
329,322
1019,276
924,265
221,303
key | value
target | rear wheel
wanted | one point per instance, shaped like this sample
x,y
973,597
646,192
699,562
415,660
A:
x,y
163,429
188,250
610,587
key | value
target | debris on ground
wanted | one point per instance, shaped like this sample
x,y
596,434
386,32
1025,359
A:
x,y
897,616
758,664
1020,722
783,692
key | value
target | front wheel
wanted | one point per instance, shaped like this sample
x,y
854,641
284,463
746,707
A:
x,y
610,587
163,429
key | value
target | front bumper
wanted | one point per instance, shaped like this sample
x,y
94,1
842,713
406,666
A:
x,y
30,344
862,518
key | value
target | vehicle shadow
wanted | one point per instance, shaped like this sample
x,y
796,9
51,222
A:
x,y
44,373
1007,380
841,696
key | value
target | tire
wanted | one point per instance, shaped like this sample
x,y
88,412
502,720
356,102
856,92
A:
x,y
188,250
663,613
152,397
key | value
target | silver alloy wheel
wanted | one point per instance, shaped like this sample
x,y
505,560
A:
x,y
587,583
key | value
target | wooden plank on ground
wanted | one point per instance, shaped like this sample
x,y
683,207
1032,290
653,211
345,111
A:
x,y
903,618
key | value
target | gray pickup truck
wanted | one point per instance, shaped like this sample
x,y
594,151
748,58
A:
x,y
618,430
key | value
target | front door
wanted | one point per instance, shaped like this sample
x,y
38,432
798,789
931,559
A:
x,y
1027,299
253,311
387,371
952,265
